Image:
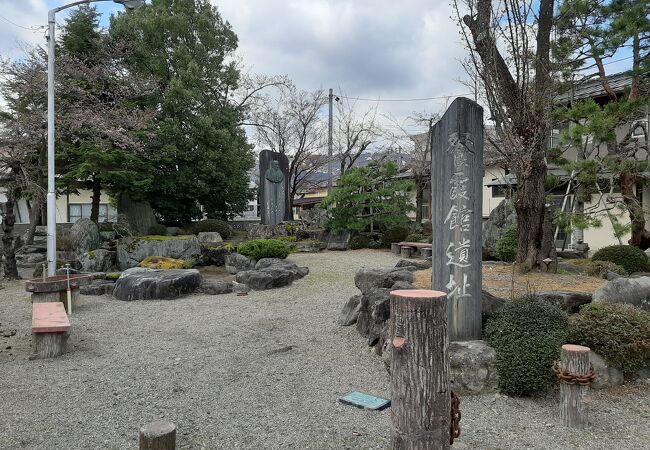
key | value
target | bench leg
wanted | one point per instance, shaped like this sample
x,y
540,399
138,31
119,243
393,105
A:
x,y
406,252
48,345
395,248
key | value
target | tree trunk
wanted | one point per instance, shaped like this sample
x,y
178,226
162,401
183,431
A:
x,y
97,195
529,204
35,215
640,236
8,241
420,185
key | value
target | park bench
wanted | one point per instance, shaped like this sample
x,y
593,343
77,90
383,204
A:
x,y
406,249
50,329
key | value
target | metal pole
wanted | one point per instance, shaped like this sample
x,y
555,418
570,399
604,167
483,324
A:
x,y
329,144
51,194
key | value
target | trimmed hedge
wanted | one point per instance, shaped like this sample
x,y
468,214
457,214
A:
x,y
630,258
394,234
506,245
527,334
264,248
210,225
619,333
417,237
359,241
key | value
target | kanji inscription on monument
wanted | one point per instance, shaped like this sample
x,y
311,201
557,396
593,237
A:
x,y
456,188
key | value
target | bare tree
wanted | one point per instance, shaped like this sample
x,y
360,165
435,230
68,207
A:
x,y
509,43
354,132
290,123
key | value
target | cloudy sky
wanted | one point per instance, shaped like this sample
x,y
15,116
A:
x,y
363,48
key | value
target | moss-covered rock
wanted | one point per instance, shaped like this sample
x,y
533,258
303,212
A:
x,y
160,262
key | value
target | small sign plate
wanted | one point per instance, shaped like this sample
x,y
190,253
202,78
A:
x,y
365,401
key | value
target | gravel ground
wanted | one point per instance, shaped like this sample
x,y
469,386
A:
x,y
255,372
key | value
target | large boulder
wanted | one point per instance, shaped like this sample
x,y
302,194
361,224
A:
x,y
501,218
606,374
374,312
367,278
147,284
236,262
271,273
490,304
350,311
84,236
98,287
567,301
131,251
472,366
209,238
633,291
216,287
99,260
414,264
339,241
267,231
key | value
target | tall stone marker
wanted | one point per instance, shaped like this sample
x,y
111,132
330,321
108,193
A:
x,y
456,188
274,188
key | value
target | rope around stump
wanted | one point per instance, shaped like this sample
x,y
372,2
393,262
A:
x,y
454,427
574,378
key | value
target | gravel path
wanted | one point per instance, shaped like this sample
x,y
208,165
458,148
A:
x,y
256,372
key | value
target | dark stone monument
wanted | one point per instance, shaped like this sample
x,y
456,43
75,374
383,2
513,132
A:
x,y
274,188
456,187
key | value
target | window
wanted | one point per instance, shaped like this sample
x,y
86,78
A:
x,y
251,208
554,138
77,211
498,191
426,211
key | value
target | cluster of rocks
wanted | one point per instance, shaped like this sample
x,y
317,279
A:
x,y
131,251
267,273
309,239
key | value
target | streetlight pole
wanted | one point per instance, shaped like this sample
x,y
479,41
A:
x,y
51,187
329,143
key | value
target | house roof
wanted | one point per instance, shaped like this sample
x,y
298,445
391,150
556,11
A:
x,y
592,87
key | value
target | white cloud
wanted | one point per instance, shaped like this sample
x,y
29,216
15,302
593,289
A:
x,y
21,22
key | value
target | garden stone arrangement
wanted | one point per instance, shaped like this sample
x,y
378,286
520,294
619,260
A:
x,y
271,273
131,251
145,284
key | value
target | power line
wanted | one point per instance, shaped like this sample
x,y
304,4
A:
x,y
32,28
402,99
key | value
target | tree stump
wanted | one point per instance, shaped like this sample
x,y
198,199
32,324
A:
x,y
158,435
395,248
406,252
419,369
48,345
574,398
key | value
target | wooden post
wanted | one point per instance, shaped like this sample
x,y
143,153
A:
x,y
426,253
574,398
457,193
158,435
419,369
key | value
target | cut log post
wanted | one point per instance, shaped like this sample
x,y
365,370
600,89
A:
x,y
420,369
48,345
406,252
158,435
426,253
574,398
395,248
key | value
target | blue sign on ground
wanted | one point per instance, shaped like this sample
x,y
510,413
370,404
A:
x,y
365,401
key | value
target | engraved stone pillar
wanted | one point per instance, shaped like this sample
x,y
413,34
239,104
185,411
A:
x,y
456,192
275,204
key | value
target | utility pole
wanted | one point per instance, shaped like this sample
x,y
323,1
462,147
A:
x,y
329,143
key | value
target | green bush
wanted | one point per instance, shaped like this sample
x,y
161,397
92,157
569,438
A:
x,y
359,241
619,333
527,334
157,230
394,234
264,248
506,245
630,258
210,225
417,237
597,269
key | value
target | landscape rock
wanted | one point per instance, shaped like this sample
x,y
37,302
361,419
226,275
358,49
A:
x,y
84,235
215,287
632,291
350,311
108,235
240,288
270,273
145,284
131,251
567,301
374,311
209,238
367,278
99,260
266,262
606,375
267,231
259,281
472,365
236,262
314,217
414,264
501,218
309,246
490,304
98,287
339,241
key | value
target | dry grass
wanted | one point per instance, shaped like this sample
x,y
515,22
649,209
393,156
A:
x,y
498,280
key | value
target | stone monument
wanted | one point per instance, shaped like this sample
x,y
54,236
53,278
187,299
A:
x,y
456,188
274,188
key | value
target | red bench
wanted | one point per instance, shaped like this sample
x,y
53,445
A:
x,y
50,330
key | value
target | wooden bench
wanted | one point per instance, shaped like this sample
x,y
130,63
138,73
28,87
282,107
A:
x,y
50,330
406,249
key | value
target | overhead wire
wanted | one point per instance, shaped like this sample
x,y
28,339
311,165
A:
x,y
30,28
